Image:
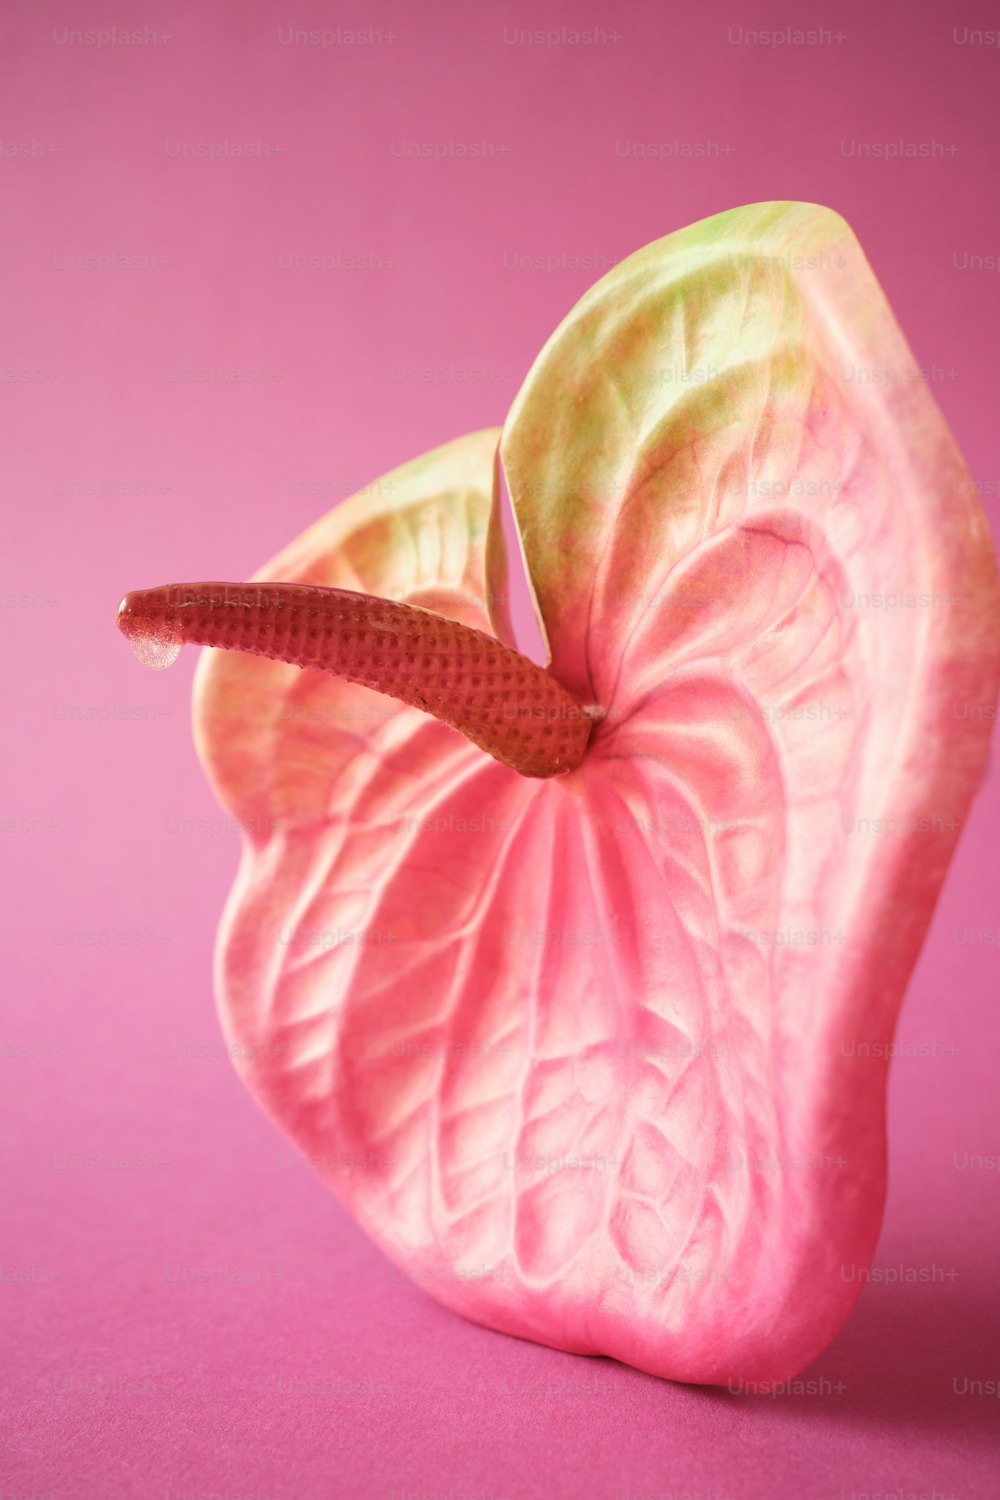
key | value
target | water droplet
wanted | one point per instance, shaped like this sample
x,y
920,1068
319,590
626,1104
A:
x,y
156,644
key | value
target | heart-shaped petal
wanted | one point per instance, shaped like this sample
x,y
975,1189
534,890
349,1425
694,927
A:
x,y
581,1054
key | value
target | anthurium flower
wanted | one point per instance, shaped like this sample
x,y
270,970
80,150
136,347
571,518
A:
x,y
561,980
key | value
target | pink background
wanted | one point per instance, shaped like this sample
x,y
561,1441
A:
x,y
320,1373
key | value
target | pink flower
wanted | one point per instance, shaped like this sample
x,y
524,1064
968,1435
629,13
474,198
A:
x,y
582,1049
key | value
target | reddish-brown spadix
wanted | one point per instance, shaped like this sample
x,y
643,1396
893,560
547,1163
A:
x,y
504,703
570,1044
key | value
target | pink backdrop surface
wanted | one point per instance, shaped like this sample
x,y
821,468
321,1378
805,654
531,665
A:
x,y
315,1370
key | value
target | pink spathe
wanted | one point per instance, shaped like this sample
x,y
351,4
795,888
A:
x,y
573,1078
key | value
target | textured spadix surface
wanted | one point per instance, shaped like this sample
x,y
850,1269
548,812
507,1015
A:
x,y
575,1052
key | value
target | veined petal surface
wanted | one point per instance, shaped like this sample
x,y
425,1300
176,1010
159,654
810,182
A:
x,y
581,1055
